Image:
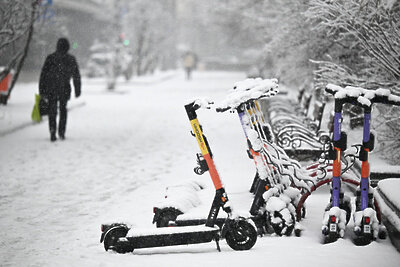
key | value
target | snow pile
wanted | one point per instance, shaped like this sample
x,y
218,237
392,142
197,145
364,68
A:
x,y
283,210
368,212
294,194
280,213
340,215
388,213
277,204
181,196
281,204
389,189
249,89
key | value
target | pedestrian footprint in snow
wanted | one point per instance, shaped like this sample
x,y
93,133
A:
x,y
54,85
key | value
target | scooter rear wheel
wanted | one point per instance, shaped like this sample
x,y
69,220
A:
x,y
331,237
241,235
362,240
112,236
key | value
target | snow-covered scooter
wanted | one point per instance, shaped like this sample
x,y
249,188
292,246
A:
x,y
269,216
367,226
337,213
273,206
238,101
240,234
365,220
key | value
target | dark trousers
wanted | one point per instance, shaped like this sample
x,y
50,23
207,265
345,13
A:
x,y
188,73
62,106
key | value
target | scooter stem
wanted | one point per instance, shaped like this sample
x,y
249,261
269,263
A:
x,y
204,148
364,184
337,123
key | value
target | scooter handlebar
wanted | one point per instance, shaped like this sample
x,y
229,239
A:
x,y
266,95
333,89
385,99
362,97
222,109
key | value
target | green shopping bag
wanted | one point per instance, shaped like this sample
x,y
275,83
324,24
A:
x,y
36,117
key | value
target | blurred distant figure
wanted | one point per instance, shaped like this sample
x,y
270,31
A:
x,y
54,84
189,63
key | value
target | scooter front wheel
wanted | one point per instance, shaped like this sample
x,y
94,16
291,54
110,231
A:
x,y
241,235
282,226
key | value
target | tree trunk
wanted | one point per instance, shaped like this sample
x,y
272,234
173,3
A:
x,y
20,64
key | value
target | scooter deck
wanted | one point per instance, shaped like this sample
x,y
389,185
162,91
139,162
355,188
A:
x,y
189,222
171,236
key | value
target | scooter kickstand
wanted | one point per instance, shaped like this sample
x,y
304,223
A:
x,y
217,242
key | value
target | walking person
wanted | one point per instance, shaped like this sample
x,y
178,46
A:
x,y
54,85
189,63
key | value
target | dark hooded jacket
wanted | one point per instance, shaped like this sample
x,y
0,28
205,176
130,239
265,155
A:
x,y
57,71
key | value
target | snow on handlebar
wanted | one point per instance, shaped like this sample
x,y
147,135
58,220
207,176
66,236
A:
x,y
363,97
248,90
201,103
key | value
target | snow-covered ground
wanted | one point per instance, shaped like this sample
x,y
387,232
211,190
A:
x,y
121,150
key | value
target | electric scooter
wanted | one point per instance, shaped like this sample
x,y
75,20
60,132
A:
x,y
367,226
285,177
240,234
262,182
365,220
270,207
243,100
254,88
366,223
337,213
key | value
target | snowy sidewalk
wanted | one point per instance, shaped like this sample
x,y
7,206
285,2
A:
x,y
121,150
17,114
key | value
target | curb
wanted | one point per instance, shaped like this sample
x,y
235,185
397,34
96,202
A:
x,y
394,233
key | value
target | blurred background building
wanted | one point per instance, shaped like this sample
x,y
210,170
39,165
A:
x,y
159,30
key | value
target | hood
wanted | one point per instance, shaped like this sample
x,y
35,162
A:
x,y
62,45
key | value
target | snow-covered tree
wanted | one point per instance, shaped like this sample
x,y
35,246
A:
x,y
364,50
17,19
277,29
49,26
364,42
142,37
346,42
149,27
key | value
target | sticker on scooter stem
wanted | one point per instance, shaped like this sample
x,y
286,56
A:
x,y
199,136
333,227
367,229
